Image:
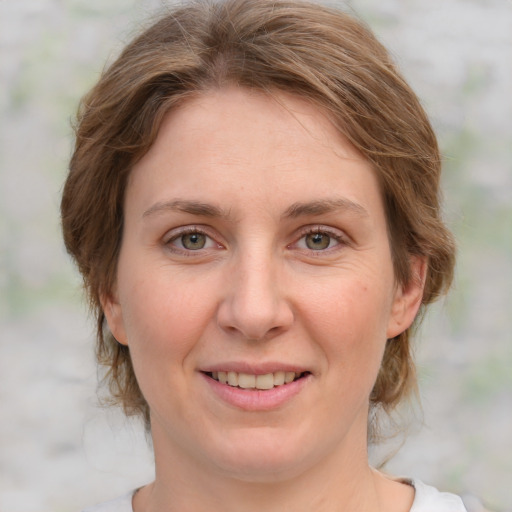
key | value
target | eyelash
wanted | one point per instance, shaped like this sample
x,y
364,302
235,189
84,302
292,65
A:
x,y
340,239
189,230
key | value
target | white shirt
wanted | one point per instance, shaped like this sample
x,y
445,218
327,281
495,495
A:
x,y
426,499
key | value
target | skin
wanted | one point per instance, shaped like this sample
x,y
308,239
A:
x,y
249,176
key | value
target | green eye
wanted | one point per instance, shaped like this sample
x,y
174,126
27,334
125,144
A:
x,y
193,241
317,241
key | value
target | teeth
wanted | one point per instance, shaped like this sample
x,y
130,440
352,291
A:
x,y
288,377
279,378
265,381
232,379
248,381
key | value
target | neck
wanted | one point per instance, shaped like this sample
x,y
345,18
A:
x,y
342,481
304,493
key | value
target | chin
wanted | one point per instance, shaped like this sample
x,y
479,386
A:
x,y
265,457
264,470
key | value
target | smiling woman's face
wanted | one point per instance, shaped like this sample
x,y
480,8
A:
x,y
255,286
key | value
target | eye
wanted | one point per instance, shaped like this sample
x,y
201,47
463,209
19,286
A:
x,y
191,240
319,240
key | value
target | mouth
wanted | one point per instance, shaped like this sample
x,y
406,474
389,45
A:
x,y
256,382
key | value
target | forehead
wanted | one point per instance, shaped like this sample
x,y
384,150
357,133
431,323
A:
x,y
235,141
231,113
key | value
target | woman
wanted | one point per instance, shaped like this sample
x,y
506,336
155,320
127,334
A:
x,y
253,204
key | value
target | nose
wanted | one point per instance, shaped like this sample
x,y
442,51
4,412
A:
x,y
255,306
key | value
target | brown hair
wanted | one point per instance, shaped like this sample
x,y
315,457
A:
x,y
315,52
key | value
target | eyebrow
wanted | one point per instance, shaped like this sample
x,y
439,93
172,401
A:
x,y
186,206
299,209
324,206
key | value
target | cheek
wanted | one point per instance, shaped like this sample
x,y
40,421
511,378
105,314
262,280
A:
x,y
350,308
349,323
164,319
163,330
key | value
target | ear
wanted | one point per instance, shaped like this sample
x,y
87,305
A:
x,y
407,300
114,315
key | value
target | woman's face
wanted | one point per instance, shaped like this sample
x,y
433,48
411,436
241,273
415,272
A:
x,y
255,251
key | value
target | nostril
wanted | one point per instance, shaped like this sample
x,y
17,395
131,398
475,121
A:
x,y
254,309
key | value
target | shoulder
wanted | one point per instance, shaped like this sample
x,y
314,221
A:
x,y
122,504
429,499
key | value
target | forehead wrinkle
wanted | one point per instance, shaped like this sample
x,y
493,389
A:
x,y
323,206
186,206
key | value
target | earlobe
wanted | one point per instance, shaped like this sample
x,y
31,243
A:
x,y
408,297
114,315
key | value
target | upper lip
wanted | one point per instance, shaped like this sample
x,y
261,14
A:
x,y
253,368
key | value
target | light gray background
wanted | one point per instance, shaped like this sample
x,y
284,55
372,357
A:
x,y
58,450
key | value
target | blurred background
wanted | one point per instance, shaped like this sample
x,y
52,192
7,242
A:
x,y
59,450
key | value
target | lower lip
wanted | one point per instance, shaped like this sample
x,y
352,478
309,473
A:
x,y
256,399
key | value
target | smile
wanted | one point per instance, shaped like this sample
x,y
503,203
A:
x,y
260,382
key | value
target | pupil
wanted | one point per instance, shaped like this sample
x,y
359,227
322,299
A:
x,y
317,241
193,241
